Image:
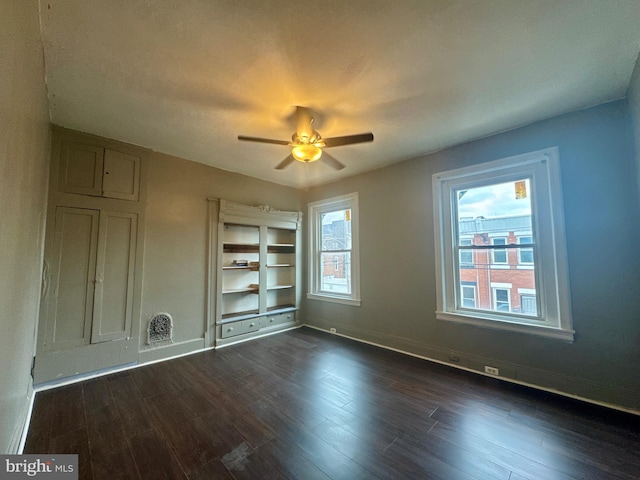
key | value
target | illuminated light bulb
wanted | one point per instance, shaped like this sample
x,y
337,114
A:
x,y
306,153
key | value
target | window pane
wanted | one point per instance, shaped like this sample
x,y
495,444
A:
x,y
336,272
492,201
336,230
496,215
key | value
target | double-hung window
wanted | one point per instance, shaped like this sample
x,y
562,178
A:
x,y
333,250
512,211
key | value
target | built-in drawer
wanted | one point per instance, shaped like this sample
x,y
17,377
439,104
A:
x,y
238,328
278,319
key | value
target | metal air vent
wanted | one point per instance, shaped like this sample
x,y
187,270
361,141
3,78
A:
x,y
160,329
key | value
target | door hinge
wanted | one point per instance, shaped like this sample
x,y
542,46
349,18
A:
x,y
33,366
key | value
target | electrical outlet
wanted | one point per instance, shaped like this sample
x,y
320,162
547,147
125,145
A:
x,y
491,370
332,330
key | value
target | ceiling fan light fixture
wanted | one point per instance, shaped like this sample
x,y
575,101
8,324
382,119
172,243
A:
x,y
306,153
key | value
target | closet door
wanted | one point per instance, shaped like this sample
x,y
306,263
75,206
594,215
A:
x,y
121,175
70,305
81,169
113,305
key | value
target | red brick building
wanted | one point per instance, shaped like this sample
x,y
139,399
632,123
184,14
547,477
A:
x,y
497,279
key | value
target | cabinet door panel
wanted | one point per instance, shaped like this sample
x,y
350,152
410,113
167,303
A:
x,y
121,175
114,276
81,169
73,271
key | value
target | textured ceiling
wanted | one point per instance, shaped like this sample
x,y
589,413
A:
x,y
185,77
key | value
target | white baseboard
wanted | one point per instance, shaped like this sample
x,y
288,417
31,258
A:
x,y
22,428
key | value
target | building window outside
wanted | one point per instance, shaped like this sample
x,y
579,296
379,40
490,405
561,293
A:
x,y
466,256
468,294
499,255
333,241
528,304
483,214
525,255
502,299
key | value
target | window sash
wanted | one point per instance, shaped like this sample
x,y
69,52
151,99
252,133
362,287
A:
x,y
549,243
317,282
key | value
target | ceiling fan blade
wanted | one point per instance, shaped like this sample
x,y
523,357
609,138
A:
x,y
285,163
331,161
262,140
348,139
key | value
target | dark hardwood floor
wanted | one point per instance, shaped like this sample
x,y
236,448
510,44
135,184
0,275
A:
x,y
308,405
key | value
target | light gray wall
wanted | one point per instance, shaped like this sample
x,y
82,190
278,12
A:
x,y
176,238
633,97
174,192
602,212
24,160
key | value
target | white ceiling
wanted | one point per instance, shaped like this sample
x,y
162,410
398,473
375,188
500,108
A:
x,y
185,77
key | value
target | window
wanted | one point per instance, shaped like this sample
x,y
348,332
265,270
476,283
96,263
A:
x,y
466,256
499,255
501,299
528,304
525,255
468,296
512,209
333,242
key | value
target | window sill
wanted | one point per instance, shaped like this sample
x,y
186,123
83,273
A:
x,y
531,329
334,299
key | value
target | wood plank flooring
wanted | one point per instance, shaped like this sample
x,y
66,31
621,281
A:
x,y
312,406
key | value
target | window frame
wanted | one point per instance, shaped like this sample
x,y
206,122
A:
x,y
316,210
550,255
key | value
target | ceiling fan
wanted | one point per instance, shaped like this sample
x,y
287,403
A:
x,y
307,145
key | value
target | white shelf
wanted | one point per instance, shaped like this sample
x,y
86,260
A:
x,y
279,287
241,290
270,240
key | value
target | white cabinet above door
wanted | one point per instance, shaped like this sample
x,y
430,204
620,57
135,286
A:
x,y
99,172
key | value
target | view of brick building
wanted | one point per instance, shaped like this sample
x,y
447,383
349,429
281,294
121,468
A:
x,y
336,241
497,279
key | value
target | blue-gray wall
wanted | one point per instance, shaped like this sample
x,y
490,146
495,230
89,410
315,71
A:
x,y
602,212
633,97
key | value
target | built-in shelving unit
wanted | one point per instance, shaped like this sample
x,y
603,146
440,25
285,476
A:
x,y
257,277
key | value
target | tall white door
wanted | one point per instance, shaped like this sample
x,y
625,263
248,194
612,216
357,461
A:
x,y
88,294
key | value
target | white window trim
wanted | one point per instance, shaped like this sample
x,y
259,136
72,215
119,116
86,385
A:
x,y
316,209
543,167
